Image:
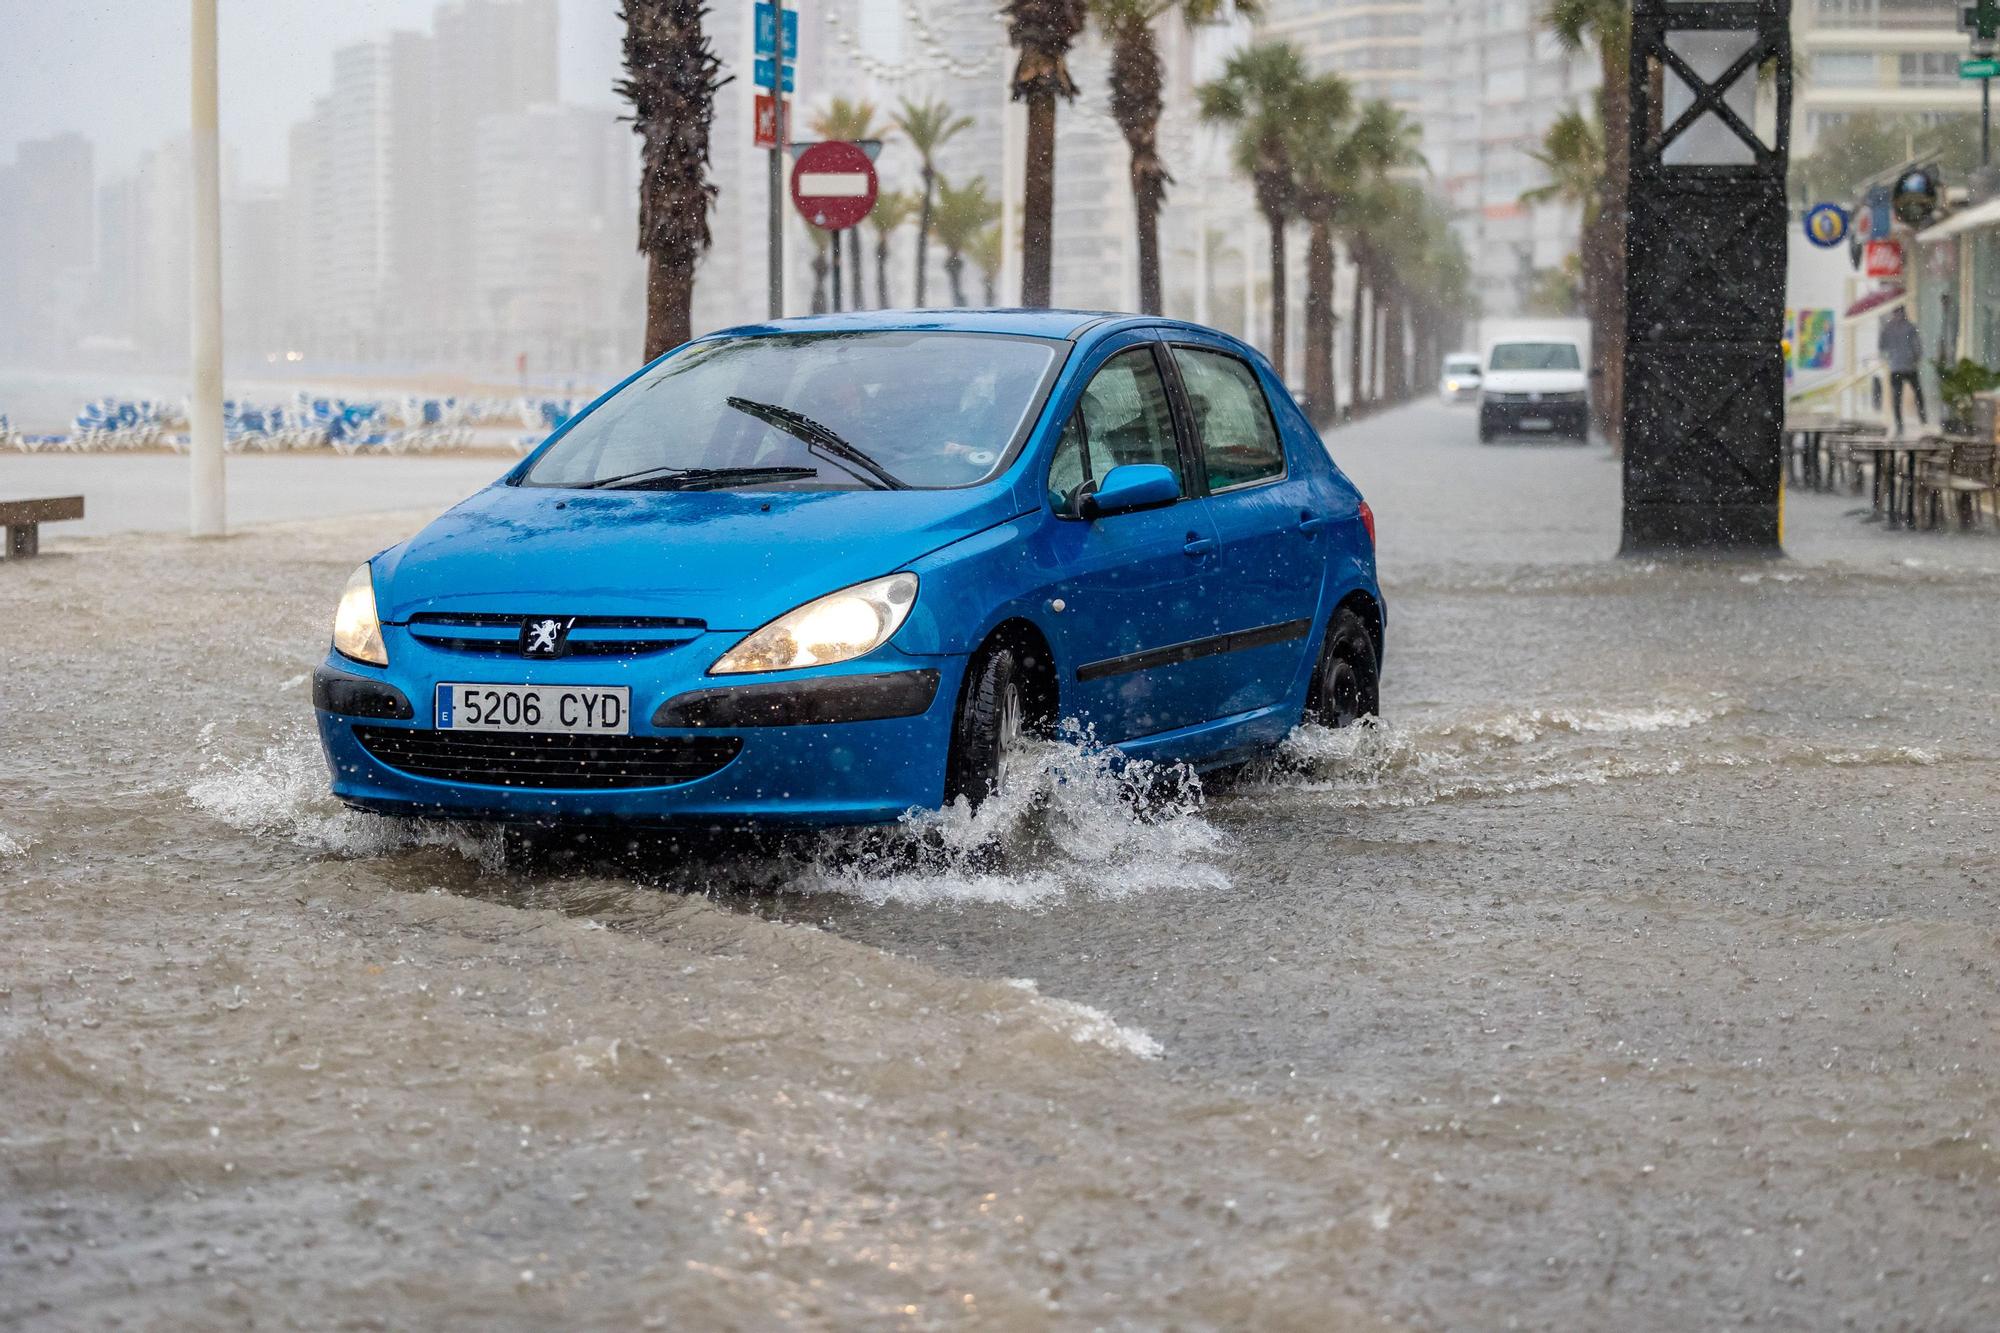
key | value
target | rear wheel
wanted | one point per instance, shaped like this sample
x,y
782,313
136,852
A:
x,y
990,733
1347,684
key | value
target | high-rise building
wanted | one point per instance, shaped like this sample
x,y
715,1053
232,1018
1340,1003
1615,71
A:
x,y
47,238
1898,57
1496,80
381,192
1379,46
555,278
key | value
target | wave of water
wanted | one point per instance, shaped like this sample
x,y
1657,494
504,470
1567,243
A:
x,y
11,846
1075,818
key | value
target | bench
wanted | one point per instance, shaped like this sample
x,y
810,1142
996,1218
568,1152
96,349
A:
x,y
21,520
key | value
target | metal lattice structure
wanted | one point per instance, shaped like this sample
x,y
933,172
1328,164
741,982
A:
x,y
1705,278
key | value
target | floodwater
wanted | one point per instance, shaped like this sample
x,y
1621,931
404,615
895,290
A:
x,y
1640,972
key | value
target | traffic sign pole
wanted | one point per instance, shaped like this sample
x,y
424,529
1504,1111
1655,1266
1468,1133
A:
x,y
777,256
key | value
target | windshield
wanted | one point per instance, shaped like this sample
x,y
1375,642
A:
x,y
811,411
1461,365
1535,356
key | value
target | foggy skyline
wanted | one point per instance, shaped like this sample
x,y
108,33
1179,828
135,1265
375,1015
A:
x,y
117,73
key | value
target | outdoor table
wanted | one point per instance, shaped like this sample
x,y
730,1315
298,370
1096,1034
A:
x,y
1895,465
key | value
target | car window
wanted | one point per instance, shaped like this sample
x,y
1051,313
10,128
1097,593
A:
x,y
1123,417
1232,417
1535,356
930,409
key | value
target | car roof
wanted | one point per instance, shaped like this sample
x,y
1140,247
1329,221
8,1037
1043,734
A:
x,y
1030,323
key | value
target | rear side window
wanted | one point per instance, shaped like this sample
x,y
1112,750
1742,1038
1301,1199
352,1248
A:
x,y
1122,418
1232,417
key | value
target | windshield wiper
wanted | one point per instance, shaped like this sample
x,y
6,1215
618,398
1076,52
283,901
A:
x,y
820,437
697,478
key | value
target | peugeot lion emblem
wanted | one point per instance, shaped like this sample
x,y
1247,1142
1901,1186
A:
x,y
544,637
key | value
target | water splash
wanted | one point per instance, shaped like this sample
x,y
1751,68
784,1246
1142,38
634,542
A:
x,y
1087,1026
283,793
1074,818
10,846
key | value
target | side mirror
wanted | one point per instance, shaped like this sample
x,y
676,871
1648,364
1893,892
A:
x,y
1132,486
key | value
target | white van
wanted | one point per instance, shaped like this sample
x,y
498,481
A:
x,y
1459,382
1534,387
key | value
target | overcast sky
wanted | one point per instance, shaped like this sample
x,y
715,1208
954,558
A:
x,y
117,70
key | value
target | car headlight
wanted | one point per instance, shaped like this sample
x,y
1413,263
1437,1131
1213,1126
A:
x,y
838,627
356,631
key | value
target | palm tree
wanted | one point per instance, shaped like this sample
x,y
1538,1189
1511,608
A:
x,y
988,254
1607,24
928,125
1136,78
892,210
1573,156
850,122
1042,31
1260,92
1339,162
671,76
963,212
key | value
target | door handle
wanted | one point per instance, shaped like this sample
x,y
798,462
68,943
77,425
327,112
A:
x,y
1198,546
1309,525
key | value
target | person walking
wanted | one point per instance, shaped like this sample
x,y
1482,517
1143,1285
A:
x,y
1902,348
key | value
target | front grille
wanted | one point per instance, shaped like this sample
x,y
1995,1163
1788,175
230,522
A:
x,y
499,634
575,763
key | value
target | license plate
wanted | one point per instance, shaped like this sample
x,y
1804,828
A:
x,y
1537,423
604,710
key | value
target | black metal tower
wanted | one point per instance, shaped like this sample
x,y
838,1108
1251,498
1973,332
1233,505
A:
x,y
1705,277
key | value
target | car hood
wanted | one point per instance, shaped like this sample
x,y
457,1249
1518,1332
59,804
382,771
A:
x,y
732,559
1533,381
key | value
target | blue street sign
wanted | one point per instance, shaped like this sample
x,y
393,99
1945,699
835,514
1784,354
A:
x,y
765,73
766,39
1826,226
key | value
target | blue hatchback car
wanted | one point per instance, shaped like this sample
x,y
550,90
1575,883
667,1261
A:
x,y
831,570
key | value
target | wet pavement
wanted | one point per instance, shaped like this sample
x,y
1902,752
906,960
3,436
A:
x,y
1639,973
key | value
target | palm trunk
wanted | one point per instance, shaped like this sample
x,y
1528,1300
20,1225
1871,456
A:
x,y
1357,330
854,254
669,304
1278,267
882,271
954,269
1038,203
991,295
924,231
1137,101
819,281
1322,401
1608,322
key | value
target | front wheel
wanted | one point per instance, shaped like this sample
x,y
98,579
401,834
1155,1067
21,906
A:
x,y
989,733
1347,684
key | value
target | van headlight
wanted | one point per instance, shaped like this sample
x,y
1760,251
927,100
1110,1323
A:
x,y
356,631
838,627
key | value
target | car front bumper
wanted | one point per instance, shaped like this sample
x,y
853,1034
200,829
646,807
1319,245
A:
x,y
1543,418
834,746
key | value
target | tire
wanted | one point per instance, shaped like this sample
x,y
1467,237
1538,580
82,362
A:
x,y
991,721
1347,685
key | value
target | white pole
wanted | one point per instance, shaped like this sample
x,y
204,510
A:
x,y
205,501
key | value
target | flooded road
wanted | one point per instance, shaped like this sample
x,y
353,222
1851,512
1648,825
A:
x,y
1640,972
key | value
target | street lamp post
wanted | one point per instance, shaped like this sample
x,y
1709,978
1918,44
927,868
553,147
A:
x,y
206,517
1705,278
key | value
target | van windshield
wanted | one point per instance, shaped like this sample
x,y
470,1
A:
x,y
1535,356
812,411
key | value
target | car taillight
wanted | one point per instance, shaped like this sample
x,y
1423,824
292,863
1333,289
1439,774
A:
x,y
1368,521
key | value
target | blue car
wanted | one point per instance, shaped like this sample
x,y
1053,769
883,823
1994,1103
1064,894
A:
x,y
827,571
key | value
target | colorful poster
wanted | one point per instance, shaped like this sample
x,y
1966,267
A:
x,y
1812,345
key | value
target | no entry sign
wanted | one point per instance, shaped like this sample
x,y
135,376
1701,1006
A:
x,y
833,185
